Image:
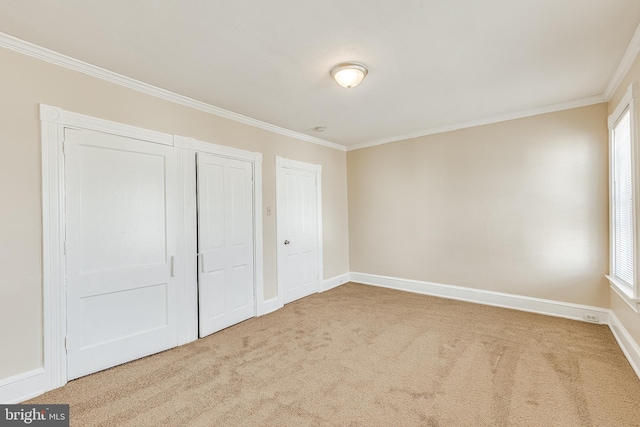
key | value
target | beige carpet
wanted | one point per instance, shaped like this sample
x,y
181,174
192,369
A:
x,y
365,356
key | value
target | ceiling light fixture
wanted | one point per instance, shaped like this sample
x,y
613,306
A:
x,y
349,74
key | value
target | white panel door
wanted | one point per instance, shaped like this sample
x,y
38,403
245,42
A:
x,y
121,298
297,233
225,242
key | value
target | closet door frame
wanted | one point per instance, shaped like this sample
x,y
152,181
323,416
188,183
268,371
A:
x,y
53,121
188,237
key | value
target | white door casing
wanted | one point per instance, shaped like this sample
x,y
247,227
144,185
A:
x,y
120,250
225,242
299,228
53,122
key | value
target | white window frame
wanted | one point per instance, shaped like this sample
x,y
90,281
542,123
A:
x,y
630,294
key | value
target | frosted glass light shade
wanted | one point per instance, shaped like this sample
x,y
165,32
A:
x,y
349,74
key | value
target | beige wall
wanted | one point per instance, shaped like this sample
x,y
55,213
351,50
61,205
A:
x,y
628,317
517,207
24,83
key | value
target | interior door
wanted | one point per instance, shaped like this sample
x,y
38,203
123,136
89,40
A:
x,y
120,241
225,242
297,233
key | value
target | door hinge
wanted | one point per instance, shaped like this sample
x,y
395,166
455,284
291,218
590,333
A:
x,y
65,343
64,248
173,270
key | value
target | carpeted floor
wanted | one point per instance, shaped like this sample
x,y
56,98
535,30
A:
x,y
366,356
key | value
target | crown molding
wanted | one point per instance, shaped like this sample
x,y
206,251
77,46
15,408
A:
x,y
633,49
30,49
630,54
486,121
56,58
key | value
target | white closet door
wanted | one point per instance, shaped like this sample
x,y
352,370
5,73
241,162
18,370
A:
x,y
120,240
225,242
298,232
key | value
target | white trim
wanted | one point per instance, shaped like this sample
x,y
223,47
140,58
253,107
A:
x,y
279,278
281,163
485,121
635,153
74,120
319,220
24,386
53,122
269,306
184,143
630,54
626,342
628,101
566,310
33,383
295,164
258,236
50,56
53,262
224,151
624,293
625,64
47,55
187,243
629,95
480,296
334,282
255,158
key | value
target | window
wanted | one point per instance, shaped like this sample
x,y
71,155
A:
x,y
624,196
622,200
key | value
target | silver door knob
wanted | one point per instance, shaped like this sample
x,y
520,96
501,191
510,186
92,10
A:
x,y
286,242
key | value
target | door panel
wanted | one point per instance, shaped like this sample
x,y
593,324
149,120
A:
x,y
297,216
121,298
225,242
102,324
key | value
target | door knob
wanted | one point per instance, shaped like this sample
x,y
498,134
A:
x,y
286,242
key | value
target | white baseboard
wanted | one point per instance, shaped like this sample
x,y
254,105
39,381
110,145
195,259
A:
x,y
629,347
626,342
27,385
269,306
480,296
334,282
21,387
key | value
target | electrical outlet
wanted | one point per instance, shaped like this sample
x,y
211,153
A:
x,y
592,318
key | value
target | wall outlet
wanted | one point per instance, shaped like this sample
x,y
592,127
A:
x,y
592,318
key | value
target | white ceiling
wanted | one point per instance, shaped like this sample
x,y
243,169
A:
x,y
432,63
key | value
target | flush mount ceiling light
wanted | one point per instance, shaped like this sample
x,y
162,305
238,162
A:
x,y
349,74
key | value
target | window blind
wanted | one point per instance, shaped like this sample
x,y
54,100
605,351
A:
x,y
623,199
